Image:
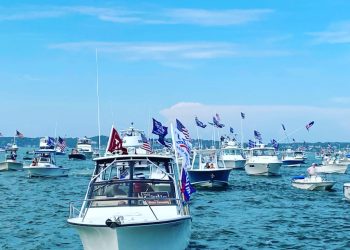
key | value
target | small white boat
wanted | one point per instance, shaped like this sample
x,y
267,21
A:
x,y
128,207
313,182
262,160
346,191
11,163
232,155
44,165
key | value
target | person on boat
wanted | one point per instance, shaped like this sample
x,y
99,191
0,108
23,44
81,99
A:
x,y
13,156
312,170
34,162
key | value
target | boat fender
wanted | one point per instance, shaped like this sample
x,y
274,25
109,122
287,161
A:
x,y
114,222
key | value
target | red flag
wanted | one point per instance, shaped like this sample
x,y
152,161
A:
x,y
115,142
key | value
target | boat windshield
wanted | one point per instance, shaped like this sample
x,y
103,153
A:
x,y
233,152
264,152
140,192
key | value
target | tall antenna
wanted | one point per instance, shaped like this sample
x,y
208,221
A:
x,y
98,107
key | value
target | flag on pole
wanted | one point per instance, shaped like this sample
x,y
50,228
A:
x,y
274,144
183,148
199,123
159,129
216,121
146,145
257,136
50,142
183,130
61,144
115,142
309,125
231,130
19,134
242,115
251,144
284,128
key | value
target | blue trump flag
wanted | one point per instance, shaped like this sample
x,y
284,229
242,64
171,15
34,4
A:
x,y
159,129
231,130
186,187
50,142
199,123
242,115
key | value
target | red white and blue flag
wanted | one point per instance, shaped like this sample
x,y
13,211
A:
x,y
182,129
146,145
61,144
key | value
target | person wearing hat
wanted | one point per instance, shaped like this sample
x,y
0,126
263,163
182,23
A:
x,y
312,170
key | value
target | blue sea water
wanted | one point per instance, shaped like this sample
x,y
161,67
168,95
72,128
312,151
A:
x,y
253,213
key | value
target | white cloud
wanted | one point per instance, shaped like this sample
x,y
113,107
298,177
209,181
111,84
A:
x,y
170,51
334,34
341,100
331,124
216,18
161,16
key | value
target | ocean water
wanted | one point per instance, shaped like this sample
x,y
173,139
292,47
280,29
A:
x,y
253,213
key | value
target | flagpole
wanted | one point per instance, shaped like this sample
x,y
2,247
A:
x,y
98,106
199,145
242,133
177,162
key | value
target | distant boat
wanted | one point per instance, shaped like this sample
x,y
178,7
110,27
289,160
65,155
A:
x,y
262,161
232,155
11,162
44,165
292,158
76,155
207,170
84,146
346,191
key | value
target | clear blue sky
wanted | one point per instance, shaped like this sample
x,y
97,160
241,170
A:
x,y
278,61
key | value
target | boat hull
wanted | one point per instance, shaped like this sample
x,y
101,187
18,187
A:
x,y
209,177
293,162
11,166
332,169
47,172
314,186
170,235
268,169
235,164
77,157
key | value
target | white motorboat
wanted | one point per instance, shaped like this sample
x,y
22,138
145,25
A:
x,y
232,155
206,170
332,168
11,162
44,165
128,207
84,146
313,182
262,160
346,191
293,158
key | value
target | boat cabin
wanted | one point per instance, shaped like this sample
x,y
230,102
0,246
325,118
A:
x,y
133,181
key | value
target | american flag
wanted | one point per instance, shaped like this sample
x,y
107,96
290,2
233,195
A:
x,y
61,144
257,135
146,145
182,129
19,134
242,115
